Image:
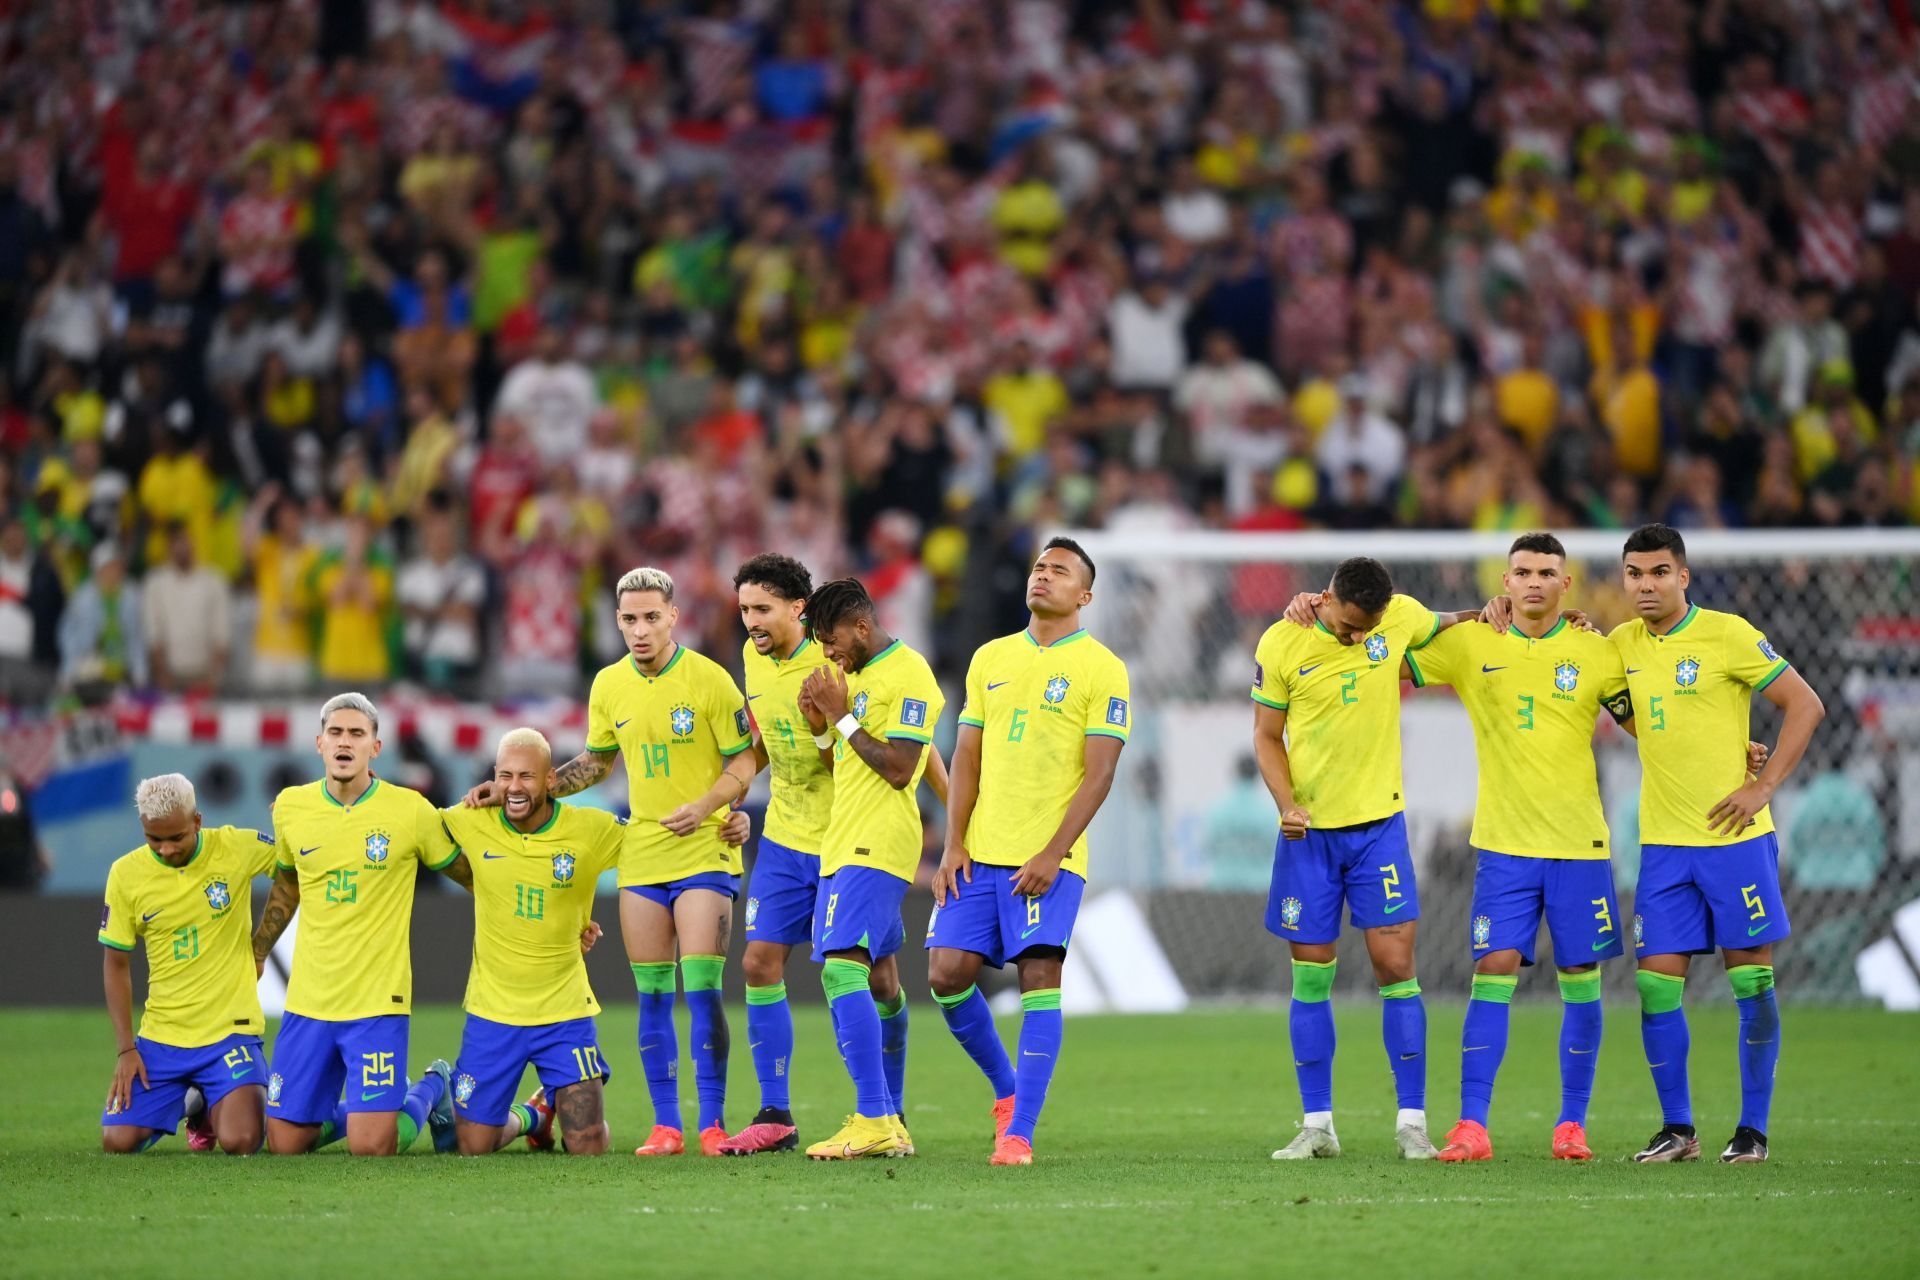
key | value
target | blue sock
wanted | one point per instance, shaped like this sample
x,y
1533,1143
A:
x,y
334,1129
1403,1026
770,1036
893,1050
1040,1036
970,1019
1580,1023
856,1025
1483,1043
1759,1041
707,1020
412,1120
146,1143
1663,1032
1310,1028
659,1046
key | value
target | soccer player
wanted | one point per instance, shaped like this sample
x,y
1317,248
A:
x,y
874,708
188,892
1046,715
346,849
778,657
1709,863
1327,737
1533,693
533,863
679,722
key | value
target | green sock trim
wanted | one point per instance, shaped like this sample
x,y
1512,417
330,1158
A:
x,y
1046,999
1313,980
1580,988
1659,992
654,977
767,995
954,1002
528,1120
1750,980
1402,990
701,973
408,1131
894,1010
329,1134
843,978
1495,988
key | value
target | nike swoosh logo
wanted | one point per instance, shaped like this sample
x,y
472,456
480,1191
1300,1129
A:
x,y
1474,1048
621,724
1633,671
150,915
1759,928
1408,1057
753,697
1571,1049
305,852
1395,907
645,1047
1030,932
754,1044
1602,946
369,1097
992,687
489,857
241,1071
1315,667
1485,669
1759,1042
1028,1053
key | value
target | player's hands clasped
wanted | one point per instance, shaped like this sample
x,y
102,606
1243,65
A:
x,y
589,935
816,718
1735,813
736,828
126,1070
955,863
827,687
1036,875
1294,822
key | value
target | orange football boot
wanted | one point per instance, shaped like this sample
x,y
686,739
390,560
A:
x,y
1570,1141
1002,1117
540,1138
1012,1151
711,1139
1467,1140
663,1141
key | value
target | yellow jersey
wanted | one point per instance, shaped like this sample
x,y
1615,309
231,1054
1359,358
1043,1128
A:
x,y
1343,710
1692,696
353,956
802,785
893,696
1533,704
1035,706
532,895
198,924
675,732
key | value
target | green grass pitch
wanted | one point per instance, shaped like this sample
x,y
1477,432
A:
x,y
1152,1160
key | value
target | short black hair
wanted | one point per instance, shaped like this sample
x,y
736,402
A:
x,y
1364,583
1544,543
782,575
832,603
1656,537
1063,543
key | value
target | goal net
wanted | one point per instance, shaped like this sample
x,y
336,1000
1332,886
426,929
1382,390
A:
x,y
1190,822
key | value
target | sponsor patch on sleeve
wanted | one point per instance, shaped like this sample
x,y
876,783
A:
x,y
913,713
740,721
1766,650
1117,711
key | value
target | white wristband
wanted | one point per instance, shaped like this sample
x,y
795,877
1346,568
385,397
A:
x,y
824,741
847,726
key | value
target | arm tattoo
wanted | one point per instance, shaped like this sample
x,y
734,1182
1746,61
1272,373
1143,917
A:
x,y
460,871
582,772
879,756
282,902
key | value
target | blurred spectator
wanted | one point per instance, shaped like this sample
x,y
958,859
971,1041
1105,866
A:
x,y
187,619
280,564
440,593
30,602
1363,439
101,638
353,591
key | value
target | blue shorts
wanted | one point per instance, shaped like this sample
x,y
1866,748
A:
x,y
1511,893
217,1069
1369,867
780,895
989,919
313,1058
669,893
1693,898
858,907
493,1054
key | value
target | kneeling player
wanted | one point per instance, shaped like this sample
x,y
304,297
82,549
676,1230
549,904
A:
x,y
189,894
1047,713
534,864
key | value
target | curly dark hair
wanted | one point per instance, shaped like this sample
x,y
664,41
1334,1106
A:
x,y
832,603
1364,583
782,575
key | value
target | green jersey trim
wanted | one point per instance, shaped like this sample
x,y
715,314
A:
x,y
1693,610
1069,638
541,830
109,942
1772,675
678,649
199,845
730,752
1419,676
881,656
1265,701
371,788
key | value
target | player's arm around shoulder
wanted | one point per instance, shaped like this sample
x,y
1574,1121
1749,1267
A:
x,y
1439,659
1751,660
1270,658
283,899
456,868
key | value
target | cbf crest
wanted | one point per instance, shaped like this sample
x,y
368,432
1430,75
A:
x,y
1482,931
860,705
379,844
1376,648
1290,913
753,911
1639,932
219,896
1056,690
463,1088
1686,672
563,867
1565,677
681,721
274,1085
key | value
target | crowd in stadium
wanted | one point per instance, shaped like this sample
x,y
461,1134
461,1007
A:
x,y
355,345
